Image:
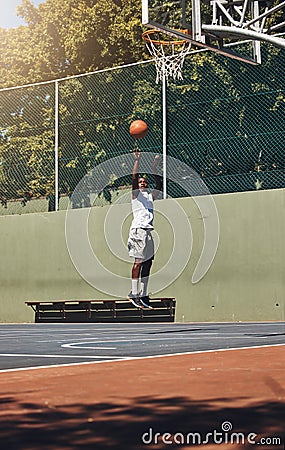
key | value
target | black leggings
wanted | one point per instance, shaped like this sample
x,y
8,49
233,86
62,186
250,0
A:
x,y
145,269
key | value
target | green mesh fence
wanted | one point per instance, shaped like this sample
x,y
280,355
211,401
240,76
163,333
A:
x,y
26,148
96,112
225,120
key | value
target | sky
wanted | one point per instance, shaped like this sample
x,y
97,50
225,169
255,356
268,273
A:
x,y
8,16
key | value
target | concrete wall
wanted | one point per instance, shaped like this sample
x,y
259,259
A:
x,y
244,283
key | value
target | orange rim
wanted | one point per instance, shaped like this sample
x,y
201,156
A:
x,y
147,37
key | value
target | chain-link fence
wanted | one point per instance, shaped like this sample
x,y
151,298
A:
x,y
225,120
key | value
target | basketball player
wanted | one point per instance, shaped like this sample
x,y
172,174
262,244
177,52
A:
x,y
140,242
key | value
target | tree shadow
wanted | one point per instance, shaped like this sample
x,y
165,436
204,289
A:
x,y
140,424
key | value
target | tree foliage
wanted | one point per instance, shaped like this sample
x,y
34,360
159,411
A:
x,y
67,37
61,38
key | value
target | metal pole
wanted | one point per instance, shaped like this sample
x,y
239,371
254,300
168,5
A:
x,y
164,135
56,118
196,21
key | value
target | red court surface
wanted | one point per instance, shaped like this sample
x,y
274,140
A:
x,y
230,399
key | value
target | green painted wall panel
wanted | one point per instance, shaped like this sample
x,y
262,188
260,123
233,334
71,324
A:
x,y
246,279
244,283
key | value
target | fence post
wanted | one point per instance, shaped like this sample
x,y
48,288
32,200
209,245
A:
x,y
164,135
56,118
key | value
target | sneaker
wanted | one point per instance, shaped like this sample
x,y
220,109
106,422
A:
x,y
135,300
145,302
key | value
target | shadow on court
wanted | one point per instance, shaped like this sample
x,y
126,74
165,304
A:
x,y
231,399
136,425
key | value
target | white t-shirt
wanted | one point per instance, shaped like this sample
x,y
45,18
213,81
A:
x,y
142,207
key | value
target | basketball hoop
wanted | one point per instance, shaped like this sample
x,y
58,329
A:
x,y
169,54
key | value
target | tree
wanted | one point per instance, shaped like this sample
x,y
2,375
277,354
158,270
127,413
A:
x,y
67,37
27,143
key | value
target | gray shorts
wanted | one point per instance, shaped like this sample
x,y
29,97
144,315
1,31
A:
x,y
140,244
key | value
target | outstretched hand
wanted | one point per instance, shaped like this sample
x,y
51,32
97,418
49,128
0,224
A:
x,y
137,153
156,161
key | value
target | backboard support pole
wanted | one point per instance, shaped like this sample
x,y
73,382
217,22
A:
x,y
196,21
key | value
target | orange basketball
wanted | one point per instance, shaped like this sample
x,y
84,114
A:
x,y
138,129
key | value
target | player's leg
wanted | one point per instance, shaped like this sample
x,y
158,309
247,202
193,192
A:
x,y
134,294
136,272
136,245
145,271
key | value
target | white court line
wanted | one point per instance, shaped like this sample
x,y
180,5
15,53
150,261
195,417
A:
x,y
134,358
55,356
83,348
181,337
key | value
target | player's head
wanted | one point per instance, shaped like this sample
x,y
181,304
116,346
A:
x,y
142,183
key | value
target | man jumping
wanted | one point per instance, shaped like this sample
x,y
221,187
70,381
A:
x,y
140,241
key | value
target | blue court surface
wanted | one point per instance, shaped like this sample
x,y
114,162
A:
x,y
40,345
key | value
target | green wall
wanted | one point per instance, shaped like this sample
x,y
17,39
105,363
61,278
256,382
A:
x,y
244,283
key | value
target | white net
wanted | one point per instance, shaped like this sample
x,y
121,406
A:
x,y
168,59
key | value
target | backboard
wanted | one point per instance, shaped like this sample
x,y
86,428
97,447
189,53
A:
x,y
219,25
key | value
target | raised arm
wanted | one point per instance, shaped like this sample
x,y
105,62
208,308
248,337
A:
x,y
135,176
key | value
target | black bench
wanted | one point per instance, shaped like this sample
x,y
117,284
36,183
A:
x,y
102,311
